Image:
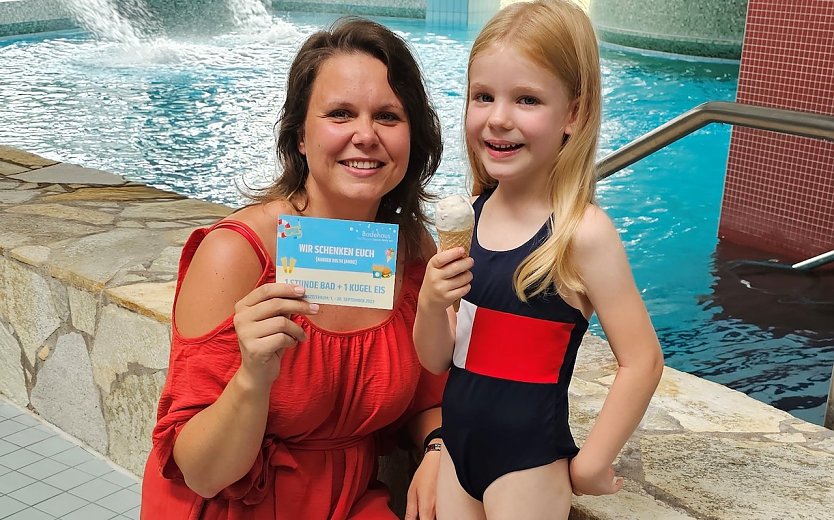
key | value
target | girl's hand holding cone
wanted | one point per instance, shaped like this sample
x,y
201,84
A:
x,y
455,220
447,278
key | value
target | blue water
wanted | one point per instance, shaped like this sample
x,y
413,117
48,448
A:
x,y
195,115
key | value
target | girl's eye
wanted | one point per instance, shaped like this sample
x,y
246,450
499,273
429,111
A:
x,y
528,100
483,98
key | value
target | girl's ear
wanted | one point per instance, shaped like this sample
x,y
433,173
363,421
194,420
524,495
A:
x,y
574,114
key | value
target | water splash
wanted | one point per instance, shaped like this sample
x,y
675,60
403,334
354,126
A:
x,y
131,22
251,15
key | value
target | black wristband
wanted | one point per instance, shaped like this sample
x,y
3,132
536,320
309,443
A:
x,y
433,446
434,434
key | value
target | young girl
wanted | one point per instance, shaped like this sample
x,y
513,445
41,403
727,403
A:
x,y
544,257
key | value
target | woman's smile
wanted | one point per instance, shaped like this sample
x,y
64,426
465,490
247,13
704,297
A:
x,y
362,167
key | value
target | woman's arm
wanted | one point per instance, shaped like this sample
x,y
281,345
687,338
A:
x,y
219,444
604,268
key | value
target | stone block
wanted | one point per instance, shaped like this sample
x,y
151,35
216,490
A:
x,y
10,168
725,477
64,212
83,308
83,260
28,305
124,339
66,173
66,395
130,410
12,382
30,160
32,255
154,300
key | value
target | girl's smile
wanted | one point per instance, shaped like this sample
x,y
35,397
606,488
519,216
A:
x,y
501,149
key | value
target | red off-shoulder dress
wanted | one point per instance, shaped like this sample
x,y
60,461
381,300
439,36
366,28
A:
x,y
339,400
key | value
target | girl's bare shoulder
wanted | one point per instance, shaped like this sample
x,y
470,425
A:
x,y
595,230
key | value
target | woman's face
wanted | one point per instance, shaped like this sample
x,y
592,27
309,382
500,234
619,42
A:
x,y
356,137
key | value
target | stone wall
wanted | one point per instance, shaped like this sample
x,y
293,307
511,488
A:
x,y
87,268
86,273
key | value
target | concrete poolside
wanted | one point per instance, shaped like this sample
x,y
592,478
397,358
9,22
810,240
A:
x,y
87,263
46,474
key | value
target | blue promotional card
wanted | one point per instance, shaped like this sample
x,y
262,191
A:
x,y
338,262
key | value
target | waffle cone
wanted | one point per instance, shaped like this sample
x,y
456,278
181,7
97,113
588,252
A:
x,y
451,239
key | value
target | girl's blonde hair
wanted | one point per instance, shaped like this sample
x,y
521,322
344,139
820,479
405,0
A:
x,y
557,35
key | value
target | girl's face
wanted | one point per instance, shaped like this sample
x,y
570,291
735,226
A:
x,y
356,137
518,115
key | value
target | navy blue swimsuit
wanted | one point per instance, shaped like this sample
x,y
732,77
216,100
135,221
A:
x,y
505,407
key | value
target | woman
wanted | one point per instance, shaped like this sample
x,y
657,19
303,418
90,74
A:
x,y
275,407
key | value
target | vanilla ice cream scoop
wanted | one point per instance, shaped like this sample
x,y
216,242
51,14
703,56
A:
x,y
454,213
454,219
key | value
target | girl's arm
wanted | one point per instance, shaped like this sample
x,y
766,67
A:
x,y
447,279
603,266
219,444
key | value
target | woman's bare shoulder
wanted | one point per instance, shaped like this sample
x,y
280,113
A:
x,y
225,268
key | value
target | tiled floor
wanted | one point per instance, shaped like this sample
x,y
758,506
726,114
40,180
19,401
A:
x,y
45,474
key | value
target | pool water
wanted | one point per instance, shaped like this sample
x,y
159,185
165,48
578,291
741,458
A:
x,y
195,115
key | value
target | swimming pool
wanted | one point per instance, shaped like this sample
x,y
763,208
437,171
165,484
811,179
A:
x,y
195,115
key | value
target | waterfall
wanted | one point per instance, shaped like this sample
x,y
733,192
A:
x,y
249,14
129,23
132,21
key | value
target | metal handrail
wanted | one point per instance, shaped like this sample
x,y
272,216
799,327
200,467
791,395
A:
x,y
821,259
763,118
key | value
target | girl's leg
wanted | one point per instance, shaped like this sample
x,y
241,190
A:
x,y
541,493
453,502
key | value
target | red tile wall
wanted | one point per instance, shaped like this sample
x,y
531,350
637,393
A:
x,y
779,191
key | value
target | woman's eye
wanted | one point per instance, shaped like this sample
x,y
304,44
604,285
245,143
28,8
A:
x,y
339,114
483,98
528,100
389,117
